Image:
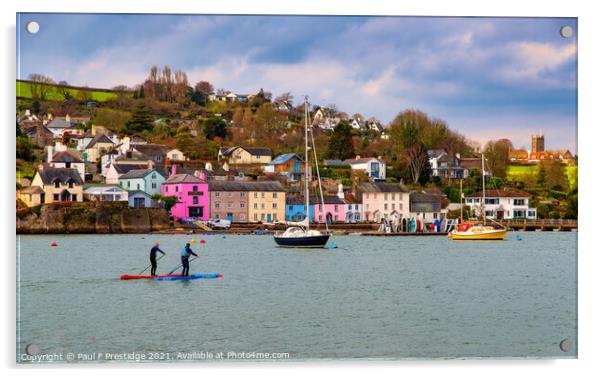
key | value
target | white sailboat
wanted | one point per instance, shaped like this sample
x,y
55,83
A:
x,y
299,233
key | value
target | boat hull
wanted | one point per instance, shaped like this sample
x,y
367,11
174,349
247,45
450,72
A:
x,y
487,236
308,241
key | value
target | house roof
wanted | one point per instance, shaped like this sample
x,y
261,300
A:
x,y
500,194
471,163
351,199
183,178
102,138
32,190
284,158
61,122
67,156
137,192
49,175
253,151
245,186
331,199
124,168
151,149
420,202
434,191
138,173
381,187
363,160
99,189
333,163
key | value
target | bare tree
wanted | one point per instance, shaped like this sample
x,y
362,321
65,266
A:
x,y
40,86
63,90
418,162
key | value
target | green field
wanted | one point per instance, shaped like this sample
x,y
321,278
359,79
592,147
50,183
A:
x,y
24,91
518,173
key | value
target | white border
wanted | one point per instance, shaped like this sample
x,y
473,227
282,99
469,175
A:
x,y
589,177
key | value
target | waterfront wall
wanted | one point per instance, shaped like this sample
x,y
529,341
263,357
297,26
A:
x,y
88,217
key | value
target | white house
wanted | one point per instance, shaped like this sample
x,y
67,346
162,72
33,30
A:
x,y
59,156
118,168
445,165
501,204
374,167
176,155
59,125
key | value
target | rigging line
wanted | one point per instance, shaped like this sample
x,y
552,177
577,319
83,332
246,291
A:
x,y
313,145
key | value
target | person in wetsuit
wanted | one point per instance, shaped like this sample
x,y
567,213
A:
x,y
186,252
153,258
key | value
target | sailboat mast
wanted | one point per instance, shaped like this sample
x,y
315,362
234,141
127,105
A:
x,y
483,198
307,211
461,202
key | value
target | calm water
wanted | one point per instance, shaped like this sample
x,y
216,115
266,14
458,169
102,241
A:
x,y
373,297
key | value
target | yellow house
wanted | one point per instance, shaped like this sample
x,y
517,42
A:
x,y
244,155
98,146
52,185
267,201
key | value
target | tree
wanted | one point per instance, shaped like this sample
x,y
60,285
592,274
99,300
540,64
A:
x,y
24,149
340,144
214,127
202,90
40,86
497,155
63,90
542,180
140,121
418,162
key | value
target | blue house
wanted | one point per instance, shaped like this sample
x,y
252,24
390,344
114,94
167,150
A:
x,y
138,199
289,164
295,209
147,180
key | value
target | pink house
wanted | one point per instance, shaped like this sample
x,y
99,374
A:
x,y
192,192
333,210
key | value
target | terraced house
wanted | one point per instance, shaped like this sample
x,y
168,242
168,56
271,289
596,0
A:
x,y
384,201
192,195
229,200
267,201
52,185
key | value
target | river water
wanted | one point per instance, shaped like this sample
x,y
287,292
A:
x,y
372,297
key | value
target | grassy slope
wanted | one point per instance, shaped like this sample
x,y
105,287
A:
x,y
24,91
519,172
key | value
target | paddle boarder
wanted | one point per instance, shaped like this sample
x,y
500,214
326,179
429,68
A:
x,y
153,258
186,252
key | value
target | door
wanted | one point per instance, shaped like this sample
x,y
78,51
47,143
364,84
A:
x,y
230,217
269,217
138,202
500,215
297,166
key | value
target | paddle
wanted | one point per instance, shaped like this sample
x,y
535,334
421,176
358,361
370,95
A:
x,y
180,265
150,265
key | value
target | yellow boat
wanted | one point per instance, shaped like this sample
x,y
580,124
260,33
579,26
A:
x,y
472,231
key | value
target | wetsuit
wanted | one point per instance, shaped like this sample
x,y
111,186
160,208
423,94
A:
x,y
186,252
153,259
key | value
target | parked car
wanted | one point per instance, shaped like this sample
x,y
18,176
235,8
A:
x,y
219,223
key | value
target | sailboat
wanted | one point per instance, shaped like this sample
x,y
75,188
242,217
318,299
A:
x,y
299,233
473,230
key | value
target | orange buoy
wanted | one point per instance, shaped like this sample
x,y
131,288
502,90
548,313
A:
x,y
192,241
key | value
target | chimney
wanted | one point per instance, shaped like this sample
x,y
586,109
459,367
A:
x,y
50,153
226,167
340,193
27,113
149,165
379,158
126,143
208,166
67,118
174,169
93,128
358,157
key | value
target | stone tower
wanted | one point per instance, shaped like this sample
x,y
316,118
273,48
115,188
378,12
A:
x,y
537,143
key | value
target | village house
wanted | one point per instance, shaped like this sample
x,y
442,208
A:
x,y
105,193
267,201
88,136
333,210
59,156
295,208
192,195
53,185
288,164
353,206
59,125
176,155
147,180
501,204
426,207
245,155
140,199
445,165
38,134
98,146
382,200
375,168
229,200
153,152
118,168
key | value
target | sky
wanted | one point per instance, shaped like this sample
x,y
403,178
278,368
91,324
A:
x,y
488,78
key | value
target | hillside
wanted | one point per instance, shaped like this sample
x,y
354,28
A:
x,y
56,92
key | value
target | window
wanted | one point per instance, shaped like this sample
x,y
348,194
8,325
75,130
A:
x,y
263,217
195,188
70,183
195,200
129,185
68,165
166,188
230,205
336,207
263,195
138,186
154,176
320,207
531,213
386,206
488,213
255,216
242,217
57,183
393,196
138,202
274,205
242,205
290,208
357,206
230,194
492,201
242,194
255,195
217,193
274,195
320,218
216,205
367,207
262,205
254,205
519,202
393,206
195,211
435,215
154,185
386,196
519,214
56,197
158,157
177,188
